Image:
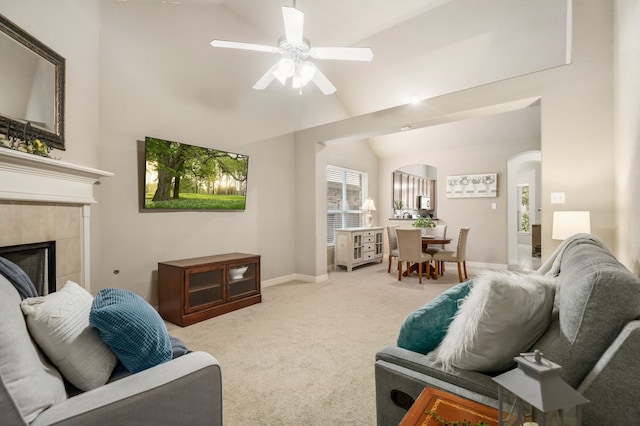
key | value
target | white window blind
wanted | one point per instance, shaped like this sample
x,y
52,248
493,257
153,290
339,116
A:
x,y
346,190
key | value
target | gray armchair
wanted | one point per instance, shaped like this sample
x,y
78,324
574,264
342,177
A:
x,y
185,390
594,335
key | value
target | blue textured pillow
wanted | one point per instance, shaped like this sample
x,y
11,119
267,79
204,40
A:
x,y
130,326
423,329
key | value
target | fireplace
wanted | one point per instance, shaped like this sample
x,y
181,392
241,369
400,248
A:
x,y
43,199
38,261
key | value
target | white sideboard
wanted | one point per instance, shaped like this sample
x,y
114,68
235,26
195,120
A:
x,y
358,246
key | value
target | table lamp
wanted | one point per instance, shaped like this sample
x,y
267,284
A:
x,y
368,207
566,224
537,382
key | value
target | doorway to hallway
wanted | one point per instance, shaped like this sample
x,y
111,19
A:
x,y
523,171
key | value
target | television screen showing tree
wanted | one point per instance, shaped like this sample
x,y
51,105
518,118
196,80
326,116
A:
x,y
180,176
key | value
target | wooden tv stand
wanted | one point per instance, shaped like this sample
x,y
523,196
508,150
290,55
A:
x,y
193,290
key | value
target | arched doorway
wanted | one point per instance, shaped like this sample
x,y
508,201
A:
x,y
522,169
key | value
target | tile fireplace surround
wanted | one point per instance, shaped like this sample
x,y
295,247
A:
x,y
42,199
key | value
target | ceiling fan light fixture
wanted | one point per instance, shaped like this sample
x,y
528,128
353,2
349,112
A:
x,y
295,50
305,71
285,69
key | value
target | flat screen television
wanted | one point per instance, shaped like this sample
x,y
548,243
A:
x,y
188,177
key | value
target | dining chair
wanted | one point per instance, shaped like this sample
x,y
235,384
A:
x,y
440,231
393,244
410,251
458,256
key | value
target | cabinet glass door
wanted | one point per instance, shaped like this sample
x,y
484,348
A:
x,y
204,289
242,280
379,243
357,247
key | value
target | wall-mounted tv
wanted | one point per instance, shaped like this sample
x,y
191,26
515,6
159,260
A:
x,y
187,177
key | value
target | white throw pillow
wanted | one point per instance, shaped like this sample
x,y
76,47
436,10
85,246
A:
x,y
27,380
59,323
504,314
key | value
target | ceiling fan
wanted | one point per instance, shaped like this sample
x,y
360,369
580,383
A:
x,y
295,53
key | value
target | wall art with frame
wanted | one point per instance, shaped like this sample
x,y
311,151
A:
x,y
472,186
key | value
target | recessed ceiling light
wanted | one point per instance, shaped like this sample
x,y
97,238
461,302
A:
x,y
405,128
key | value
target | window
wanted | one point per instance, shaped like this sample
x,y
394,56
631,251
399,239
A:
x,y
523,208
346,191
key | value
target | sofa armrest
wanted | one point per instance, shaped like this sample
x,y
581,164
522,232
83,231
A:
x,y
613,385
186,390
472,380
402,374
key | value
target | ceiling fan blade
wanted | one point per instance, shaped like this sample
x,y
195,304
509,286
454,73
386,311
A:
x,y
266,79
323,83
293,24
342,53
244,46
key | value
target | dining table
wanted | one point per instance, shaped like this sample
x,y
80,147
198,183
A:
x,y
426,241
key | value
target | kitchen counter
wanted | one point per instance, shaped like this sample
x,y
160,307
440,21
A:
x,y
409,219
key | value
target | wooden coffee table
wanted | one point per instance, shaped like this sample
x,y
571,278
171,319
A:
x,y
449,407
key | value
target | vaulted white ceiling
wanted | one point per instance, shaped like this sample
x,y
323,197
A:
x,y
422,49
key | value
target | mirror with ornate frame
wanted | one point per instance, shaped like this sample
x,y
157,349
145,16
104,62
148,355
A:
x,y
32,78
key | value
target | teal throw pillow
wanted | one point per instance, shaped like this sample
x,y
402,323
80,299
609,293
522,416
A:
x,y
423,329
130,326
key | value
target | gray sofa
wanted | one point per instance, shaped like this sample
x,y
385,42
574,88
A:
x,y
594,335
186,390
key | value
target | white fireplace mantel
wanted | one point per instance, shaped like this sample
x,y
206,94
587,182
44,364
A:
x,y
29,177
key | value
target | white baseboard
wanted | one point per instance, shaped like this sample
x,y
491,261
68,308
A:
x,y
471,267
294,277
481,265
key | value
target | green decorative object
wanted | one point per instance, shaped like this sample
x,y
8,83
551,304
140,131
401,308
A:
x,y
424,222
398,204
443,422
35,146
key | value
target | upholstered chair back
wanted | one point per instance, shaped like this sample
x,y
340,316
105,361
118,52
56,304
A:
x,y
461,250
393,240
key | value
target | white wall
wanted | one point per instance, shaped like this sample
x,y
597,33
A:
x,y
358,156
576,125
479,145
459,152
160,77
127,78
627,113
70,28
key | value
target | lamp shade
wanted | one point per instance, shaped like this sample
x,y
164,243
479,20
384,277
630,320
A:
x,y
369,205
566,224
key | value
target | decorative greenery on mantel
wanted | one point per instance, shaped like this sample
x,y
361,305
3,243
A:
x,y
35,146
424,222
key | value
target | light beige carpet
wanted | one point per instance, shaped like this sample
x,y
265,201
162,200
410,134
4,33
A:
x,y
305,355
